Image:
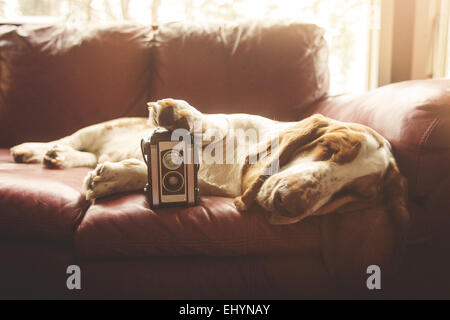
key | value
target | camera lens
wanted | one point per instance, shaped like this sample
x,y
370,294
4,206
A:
x,y
173,181
172,160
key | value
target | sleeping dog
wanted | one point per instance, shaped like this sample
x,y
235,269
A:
x,y
291,169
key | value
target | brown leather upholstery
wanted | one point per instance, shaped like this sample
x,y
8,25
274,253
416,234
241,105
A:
x,y
39,204
264,69
55,79
34,269
124,226
244,277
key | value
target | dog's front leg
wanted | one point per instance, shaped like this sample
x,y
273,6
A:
x,y
115,177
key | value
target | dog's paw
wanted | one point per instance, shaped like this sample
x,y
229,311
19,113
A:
x,y
56,157
174,114
30,152
62,156
101,181
114,177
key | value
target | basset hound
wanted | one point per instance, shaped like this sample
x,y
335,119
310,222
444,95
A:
x,y
292,169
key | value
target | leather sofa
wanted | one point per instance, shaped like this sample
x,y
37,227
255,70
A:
x,y
55,79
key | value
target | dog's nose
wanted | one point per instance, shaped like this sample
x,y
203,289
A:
x,y
277,200
281,201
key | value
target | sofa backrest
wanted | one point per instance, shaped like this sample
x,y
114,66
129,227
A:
x,y
270,69
56,79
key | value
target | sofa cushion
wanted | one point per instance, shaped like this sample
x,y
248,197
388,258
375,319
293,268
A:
x,y
124,226
38,203
56,79
273,69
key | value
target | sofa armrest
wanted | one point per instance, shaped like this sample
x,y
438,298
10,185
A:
x,y
414,116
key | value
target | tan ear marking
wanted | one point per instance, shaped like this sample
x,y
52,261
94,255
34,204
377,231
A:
x,y
396,193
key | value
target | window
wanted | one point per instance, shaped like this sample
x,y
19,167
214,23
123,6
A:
x,y
349,24
429,38
442,43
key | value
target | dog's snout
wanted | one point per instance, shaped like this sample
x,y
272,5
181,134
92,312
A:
x,y
277,200
282,201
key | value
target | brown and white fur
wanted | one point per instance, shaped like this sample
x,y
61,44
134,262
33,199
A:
x,y
324,164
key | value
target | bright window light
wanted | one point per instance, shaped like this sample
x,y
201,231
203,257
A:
x,y
348,23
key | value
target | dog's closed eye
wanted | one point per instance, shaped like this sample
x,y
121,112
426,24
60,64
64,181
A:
x,y
324,150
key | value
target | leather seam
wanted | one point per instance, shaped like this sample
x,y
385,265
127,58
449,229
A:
x,y
245,243
422,148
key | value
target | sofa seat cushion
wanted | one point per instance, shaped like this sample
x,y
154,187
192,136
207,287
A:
x,y
125,226
38,203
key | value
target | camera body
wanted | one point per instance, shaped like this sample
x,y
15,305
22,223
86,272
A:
x,y
172,172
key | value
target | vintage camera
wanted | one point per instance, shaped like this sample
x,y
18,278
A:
x,y
172,169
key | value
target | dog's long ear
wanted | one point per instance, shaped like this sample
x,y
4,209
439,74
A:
x,y
290,141
396,194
